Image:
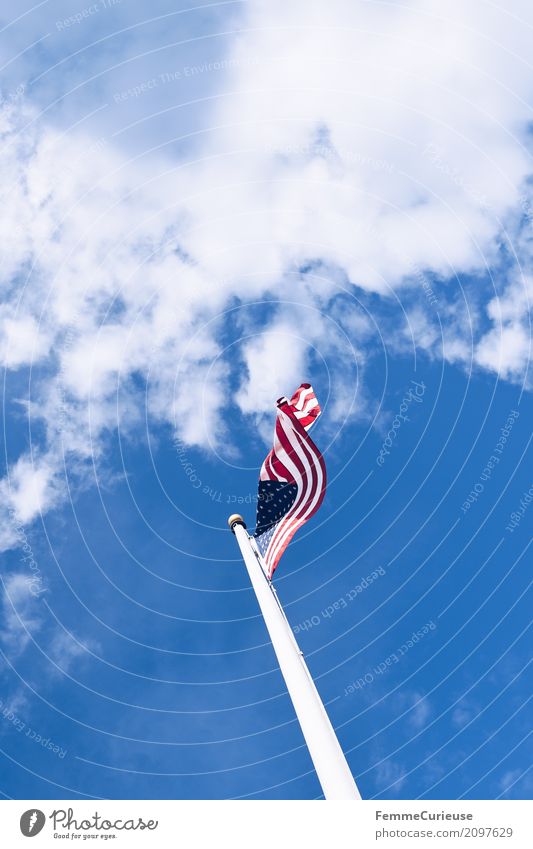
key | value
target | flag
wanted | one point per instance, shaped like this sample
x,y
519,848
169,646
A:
x,y
292,481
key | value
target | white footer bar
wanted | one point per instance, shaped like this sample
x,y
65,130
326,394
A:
x,y
268,824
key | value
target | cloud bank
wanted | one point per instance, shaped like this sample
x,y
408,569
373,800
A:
x,y
356,150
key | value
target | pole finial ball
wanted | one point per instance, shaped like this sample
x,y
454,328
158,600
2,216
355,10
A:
x,y
236,519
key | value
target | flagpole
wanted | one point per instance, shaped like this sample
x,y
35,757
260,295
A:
x,y
328,758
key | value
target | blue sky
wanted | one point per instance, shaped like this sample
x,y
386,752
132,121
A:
x,y
206,207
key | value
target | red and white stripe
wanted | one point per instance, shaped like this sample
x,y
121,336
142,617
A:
x,y
304,405
295,459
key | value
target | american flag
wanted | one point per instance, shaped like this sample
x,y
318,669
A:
x,y
292,482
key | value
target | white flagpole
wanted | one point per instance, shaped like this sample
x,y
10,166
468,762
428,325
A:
x,y
328,758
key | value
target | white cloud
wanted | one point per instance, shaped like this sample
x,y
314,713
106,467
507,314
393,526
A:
x,y
32,486
21,341
385,86
65,650
506,348
285,351
392,141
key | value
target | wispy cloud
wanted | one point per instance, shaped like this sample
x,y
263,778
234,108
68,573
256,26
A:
x,y
463,713
65,650
389,775
516,784
23,618
421,711
20,614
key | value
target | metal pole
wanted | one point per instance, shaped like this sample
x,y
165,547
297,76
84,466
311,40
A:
x,y
328,758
